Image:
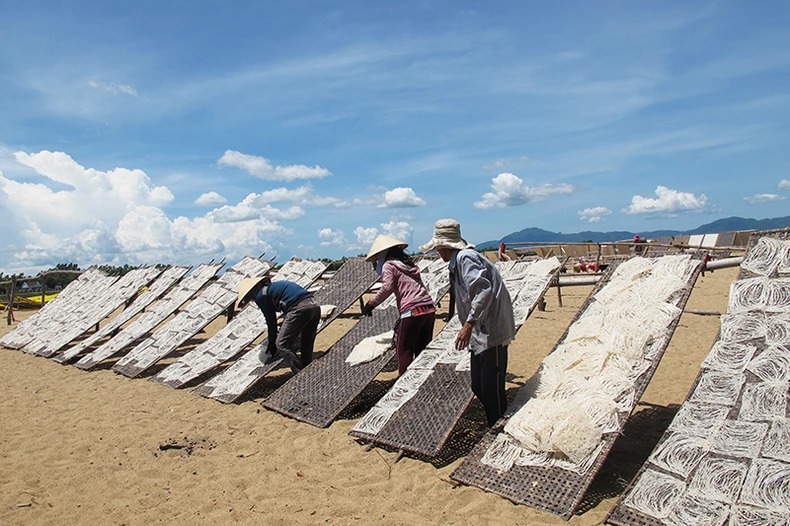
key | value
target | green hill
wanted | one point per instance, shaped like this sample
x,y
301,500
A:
x,y
727,224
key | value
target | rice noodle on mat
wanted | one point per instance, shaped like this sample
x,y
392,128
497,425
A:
x,y
589,378
370,348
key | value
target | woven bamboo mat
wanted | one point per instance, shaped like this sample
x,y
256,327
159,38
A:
x,y
153,316
344,288
212,302
231,340
324,388
88,314
87,287
623,514
165,280
553,489
423,423
327,386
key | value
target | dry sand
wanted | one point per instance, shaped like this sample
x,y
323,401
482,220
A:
x,y
87,447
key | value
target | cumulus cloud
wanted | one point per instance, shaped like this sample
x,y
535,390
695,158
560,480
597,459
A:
x,y
763,198
81,197
262,168
251,208
401,198
304,195
510,190
396,228
92,216
595,214
146,234
667,201
784,184
331,238
366,236
210,199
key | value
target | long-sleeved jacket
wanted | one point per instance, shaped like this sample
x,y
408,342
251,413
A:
x,y
480,295
278,296
405,282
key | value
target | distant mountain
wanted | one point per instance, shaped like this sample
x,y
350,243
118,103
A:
x,y
720,225
729,224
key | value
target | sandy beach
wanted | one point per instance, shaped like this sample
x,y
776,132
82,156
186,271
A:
x,y
95,447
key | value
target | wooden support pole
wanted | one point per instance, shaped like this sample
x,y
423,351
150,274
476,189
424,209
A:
x,y
598,259
703,312
10,317
559,293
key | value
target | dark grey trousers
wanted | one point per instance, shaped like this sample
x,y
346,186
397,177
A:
x,y
488,381
297,333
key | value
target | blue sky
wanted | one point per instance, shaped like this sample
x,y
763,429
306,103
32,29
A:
x,y
183,131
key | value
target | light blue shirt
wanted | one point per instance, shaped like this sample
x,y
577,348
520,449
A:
x,y
481,295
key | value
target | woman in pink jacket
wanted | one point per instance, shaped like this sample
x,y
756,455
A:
x,y
400,276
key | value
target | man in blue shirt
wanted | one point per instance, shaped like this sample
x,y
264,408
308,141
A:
x,y
300,313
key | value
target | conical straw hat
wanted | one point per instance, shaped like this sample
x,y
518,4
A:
x,y
245,286
383,243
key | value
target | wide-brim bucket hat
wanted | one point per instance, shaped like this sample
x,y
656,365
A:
x,y
246,285
446,233
383,243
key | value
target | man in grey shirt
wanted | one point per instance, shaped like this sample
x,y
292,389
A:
x,y
485,311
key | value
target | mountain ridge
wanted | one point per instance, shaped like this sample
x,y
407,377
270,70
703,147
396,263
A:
x,y
727,224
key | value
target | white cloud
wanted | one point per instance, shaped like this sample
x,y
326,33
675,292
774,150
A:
x,y
397,229
595,214
509,190
146,234
114,88
763,198
251,208
784,184
331,238
82,197
210,199
366,236
667,201
401,198
262,168
91,216
304,195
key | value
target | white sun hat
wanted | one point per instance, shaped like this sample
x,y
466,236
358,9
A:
x,y
383,243
245,287
446,233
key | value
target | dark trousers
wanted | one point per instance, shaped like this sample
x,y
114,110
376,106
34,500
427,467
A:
x,y
488,381
297,331
414,334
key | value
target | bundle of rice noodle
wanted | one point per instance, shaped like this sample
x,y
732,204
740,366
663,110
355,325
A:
x,y
370,348
543,425
765,257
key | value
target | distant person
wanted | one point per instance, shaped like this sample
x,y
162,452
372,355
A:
x,y
638,244
400,276
502,255
485,311
301,315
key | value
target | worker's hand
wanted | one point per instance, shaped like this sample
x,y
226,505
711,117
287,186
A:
x,y
462,340
367,310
